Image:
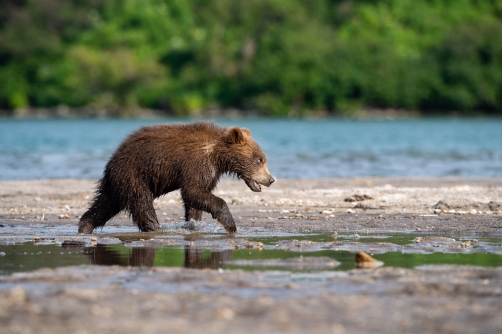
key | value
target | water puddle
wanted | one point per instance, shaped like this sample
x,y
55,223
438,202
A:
x,y
251,250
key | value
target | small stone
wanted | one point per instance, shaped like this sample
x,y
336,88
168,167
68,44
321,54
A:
x,y
451,211
350,211
473,211
64,216
442,206
226,314
437,211
364,260
494,206
37,199
326,212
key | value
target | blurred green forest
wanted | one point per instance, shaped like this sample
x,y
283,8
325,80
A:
x,y
280,57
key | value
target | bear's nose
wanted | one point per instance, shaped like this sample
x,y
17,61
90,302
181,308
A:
x,y
271,180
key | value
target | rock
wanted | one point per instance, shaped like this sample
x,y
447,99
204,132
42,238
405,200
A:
x,y
442,206
73,243
494,206
361,206
364,260
433,239
358,198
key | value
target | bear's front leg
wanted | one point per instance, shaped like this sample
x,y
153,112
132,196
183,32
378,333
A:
x,y
191,213
196,199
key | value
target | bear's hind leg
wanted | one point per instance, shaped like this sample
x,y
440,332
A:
x,y
143,214
191,213
101,211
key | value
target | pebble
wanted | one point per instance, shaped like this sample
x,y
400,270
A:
x,y
326,212
364,260
437,210
473,211
350,211
64,216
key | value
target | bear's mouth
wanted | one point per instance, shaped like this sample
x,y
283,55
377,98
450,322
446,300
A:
x,y
253,185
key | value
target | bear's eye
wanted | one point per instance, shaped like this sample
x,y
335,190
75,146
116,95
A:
x,y
259,161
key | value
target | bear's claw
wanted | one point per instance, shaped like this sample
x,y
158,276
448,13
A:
x,y
85,228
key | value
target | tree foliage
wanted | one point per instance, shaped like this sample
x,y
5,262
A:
x,y
275,56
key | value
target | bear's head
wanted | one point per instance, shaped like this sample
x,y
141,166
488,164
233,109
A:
x,y
247,160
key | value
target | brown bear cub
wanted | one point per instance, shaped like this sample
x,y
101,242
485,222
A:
x,y
156,160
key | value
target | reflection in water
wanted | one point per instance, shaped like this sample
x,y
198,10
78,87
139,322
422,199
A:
x,y
106,255
194,257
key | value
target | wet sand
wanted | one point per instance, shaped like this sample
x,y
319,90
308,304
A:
x,y
439,299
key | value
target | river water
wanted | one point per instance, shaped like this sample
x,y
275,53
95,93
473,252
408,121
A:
x,y
305,149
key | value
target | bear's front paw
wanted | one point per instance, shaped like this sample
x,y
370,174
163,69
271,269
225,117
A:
x,y
85,228
231,229
225,218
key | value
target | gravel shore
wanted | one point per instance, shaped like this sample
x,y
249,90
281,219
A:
x,y
428,299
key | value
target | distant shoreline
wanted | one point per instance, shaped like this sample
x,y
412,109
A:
x,y
64,112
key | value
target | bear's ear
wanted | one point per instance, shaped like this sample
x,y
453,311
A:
x,y
234,135
246,132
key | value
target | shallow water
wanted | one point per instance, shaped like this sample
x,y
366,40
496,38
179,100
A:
x,y
298,253
35,149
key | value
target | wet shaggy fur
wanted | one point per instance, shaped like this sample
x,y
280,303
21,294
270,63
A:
x,y
156,160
